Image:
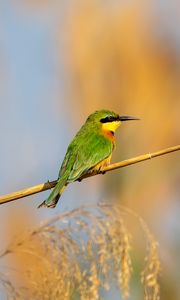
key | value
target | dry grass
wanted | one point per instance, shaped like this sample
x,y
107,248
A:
x,y
84,251
7,287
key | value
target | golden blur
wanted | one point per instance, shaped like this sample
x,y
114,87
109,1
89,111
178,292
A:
x,y
118,60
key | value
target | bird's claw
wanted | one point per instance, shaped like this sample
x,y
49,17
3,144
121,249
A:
x,y
48,183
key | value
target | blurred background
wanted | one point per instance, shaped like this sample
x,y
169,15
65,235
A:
x,y
61,61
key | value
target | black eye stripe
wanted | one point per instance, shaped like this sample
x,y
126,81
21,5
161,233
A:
x,y
109,119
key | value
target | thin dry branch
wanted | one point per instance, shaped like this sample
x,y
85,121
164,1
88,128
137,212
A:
x,y
48,185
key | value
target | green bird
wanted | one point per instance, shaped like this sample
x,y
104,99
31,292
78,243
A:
x,y
90,150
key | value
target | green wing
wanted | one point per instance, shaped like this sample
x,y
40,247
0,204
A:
x,y
66,162
85,151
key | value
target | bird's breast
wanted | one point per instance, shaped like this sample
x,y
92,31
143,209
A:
x,y
109,135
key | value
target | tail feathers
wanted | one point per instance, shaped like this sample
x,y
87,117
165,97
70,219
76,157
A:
x,y
54,196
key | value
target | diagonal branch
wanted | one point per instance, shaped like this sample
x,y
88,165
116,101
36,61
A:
x,y
48,185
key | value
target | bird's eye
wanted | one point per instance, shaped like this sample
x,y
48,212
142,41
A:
x,y
108,119
111,119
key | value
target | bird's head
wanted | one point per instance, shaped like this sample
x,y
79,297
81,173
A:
x,y
108,120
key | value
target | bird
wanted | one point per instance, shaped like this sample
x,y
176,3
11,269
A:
x,y
89,151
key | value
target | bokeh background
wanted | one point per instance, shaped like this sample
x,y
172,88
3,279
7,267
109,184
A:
x,y
62,60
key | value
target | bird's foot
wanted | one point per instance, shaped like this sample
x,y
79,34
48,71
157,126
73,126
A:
x,y
48,184
103,172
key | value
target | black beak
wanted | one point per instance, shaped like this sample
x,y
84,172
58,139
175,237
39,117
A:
x,y
127,118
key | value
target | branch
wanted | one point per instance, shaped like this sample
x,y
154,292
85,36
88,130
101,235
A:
x,y
48,185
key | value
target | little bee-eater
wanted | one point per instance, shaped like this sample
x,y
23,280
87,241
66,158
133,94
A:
x,y
90,150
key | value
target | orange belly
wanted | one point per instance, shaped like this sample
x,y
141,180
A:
x,y
102,164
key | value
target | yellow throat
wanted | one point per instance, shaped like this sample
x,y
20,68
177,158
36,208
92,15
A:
x,y
110,126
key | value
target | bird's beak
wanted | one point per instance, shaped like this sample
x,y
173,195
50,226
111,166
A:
x,y
127,118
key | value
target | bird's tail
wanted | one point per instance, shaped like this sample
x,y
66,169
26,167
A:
x,y
54,196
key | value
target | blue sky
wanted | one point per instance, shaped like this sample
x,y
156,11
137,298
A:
x,y
31,85
34,131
